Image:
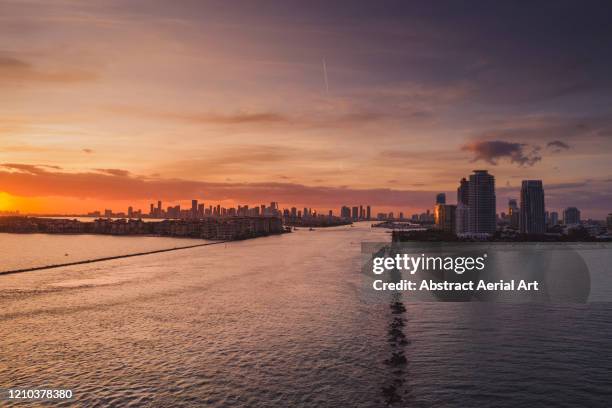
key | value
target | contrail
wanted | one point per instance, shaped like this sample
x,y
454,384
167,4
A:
x,y
325,76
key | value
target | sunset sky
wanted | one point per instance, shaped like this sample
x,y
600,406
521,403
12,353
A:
x,y
104,104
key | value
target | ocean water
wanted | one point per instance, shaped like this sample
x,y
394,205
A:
x,y
20,251
283,321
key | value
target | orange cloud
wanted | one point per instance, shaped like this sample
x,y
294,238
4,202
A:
x,y
113,184
102,188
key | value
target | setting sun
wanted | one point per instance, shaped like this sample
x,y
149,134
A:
x,y
6,202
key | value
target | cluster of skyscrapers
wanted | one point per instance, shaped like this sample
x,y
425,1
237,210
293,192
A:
x,y
196,211
474,215
356,213
199,210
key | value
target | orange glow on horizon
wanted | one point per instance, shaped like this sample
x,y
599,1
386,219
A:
x,y
74,206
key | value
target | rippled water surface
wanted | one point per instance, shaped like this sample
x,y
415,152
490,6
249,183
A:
x,y
284,321
19,251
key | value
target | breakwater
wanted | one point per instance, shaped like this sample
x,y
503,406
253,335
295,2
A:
x,y
107,258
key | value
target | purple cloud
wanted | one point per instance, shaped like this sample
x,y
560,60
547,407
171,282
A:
x,y
493,151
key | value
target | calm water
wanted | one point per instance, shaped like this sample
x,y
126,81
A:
x,y
19,251
282,321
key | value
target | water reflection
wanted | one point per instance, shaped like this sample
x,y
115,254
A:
x,y
288,321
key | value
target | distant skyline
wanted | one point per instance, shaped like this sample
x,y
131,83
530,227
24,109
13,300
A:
x,y
106,104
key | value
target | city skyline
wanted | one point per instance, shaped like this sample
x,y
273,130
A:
x,y
461,223
111,104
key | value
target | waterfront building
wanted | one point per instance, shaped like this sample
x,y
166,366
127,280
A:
x,y
461,219
194,208
532,212
481,198
463,192
437,210
426,217
513,213
609,222
445,217
461,211
345,212
571,216
368,212
355,213
553,218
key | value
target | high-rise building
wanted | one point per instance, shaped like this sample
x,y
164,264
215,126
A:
x,y
462,210
345,212
441,198
481,198
445,217
553,219
426,217
463,192
194,208
461,218
513,213
532,213
437,211
355,213
571,216
609,222
368,212
130,212
361,212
